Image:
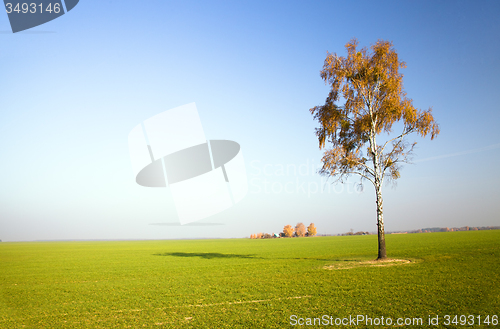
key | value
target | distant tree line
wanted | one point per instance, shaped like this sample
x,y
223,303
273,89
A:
x,y
300,230
430,230
356,233
451,229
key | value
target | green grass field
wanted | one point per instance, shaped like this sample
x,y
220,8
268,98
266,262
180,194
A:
x,y
247,283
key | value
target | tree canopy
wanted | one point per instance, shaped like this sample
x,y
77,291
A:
x,y
311,230
288,231
372,87
300,230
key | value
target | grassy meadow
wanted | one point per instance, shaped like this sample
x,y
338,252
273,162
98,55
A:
x,y
243,283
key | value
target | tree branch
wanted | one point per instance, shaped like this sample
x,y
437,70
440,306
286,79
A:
x,y
362,175
368,169
405,132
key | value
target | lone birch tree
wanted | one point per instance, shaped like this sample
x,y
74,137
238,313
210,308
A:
x,y
371,87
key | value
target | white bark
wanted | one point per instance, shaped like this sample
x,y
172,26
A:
x,y
378,178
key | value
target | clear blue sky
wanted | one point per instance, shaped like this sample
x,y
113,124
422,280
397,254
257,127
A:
x,y
72,89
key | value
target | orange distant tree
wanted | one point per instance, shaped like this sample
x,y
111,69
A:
x,y
288,231
300,230
311,230
370,84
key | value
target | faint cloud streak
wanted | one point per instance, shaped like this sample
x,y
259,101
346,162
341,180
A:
x,y
189,224
481,149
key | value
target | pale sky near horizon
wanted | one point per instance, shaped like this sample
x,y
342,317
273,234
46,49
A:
x,y
72,89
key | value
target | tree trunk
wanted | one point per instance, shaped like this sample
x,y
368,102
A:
x,y
380,223
379,177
